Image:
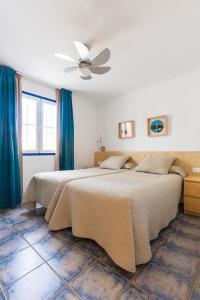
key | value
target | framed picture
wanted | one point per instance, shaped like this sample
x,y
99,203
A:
x,y
157,126
126,130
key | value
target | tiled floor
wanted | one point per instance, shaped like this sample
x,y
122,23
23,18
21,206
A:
x,y
37,264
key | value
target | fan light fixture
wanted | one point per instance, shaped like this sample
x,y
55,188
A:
x,y
84,71
86,66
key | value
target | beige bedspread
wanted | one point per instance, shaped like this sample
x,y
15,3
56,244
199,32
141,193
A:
x,y
46,189
123,212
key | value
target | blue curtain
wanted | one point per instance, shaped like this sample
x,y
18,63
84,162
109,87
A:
x,y
10,190
66,131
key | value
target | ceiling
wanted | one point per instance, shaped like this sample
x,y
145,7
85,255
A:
x,y
150,40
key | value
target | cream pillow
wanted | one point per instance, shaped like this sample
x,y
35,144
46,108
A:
x,y
177,170
155,164
114,162
128,165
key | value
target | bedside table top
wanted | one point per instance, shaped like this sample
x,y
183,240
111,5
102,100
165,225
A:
x,y
193,178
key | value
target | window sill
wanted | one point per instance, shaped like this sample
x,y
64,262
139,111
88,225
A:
x,y
38,154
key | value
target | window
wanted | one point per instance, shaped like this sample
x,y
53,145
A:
x,y
38,124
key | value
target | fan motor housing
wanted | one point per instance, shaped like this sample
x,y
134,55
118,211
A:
x,y
84,68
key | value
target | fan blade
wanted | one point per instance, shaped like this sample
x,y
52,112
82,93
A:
x,y
66,57
70,69
101,58
83,51
100,70
86,78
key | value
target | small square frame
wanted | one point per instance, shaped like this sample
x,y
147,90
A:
x,y
160,126
126,129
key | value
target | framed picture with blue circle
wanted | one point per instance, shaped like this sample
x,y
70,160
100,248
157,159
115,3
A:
x,y
157,126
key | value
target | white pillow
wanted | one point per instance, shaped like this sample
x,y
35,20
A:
x,y
155,164
114,162
177,170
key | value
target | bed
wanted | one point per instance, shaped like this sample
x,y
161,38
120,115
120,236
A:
x,y
46,189
123,212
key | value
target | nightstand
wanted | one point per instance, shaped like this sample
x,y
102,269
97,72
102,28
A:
x,y
192,195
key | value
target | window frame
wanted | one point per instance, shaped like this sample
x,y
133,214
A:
x,y
38,151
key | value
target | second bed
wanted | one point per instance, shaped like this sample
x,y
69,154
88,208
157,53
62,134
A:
x,y
124,212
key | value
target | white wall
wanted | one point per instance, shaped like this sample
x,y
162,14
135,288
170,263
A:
x,y
179,98
84,131
36,164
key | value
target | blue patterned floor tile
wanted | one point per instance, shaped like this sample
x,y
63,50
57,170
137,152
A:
x,y
162,284
67,294
110,264
91,247
39,211
69,262
36,233
198,278
29,224
64,235
36,213
98,282
176,221
49,245
12,246
177,260
164,233
189,219
167,276
193,224
16,215
16,266
3,223
183,241
2,297
40,284
7,233
155,245
20,214
195,293
133,293
188,230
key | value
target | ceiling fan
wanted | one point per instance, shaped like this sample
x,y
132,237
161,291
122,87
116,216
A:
x,y
85,65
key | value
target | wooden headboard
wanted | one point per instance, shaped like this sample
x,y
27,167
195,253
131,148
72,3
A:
x,y
185,159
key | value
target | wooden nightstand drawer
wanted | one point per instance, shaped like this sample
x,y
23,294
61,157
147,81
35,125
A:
x,y
192,205
192,189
